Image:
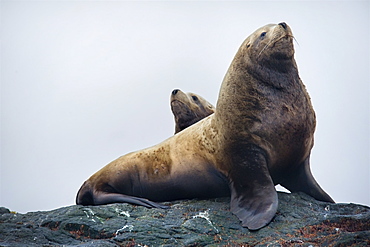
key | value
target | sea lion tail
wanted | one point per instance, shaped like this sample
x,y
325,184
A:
x,y
84,195
303,180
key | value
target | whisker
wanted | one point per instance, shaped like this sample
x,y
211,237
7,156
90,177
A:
x,y
295,40
273,39
264,48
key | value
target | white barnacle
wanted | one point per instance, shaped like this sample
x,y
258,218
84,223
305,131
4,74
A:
x,y
327,208
130,228
90,214
87,215
125,213
87,211
142,245
205,215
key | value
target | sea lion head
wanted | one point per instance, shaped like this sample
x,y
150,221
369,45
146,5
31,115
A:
x,y
270,45
188,108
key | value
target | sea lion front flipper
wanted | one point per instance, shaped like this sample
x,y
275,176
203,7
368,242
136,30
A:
x,y
253,196
303,180
106,198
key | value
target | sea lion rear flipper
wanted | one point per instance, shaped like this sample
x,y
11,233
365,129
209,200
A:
x,y
253,196
303,180
106,198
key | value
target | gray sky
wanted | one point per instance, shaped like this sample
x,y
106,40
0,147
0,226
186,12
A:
x,y
83,83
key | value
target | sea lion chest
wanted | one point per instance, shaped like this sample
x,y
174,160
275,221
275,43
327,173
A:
x,y
275,119
286,124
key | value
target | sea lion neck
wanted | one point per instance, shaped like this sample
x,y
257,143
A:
x,y
277,74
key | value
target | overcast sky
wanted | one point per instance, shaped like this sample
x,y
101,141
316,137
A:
x,y
83,83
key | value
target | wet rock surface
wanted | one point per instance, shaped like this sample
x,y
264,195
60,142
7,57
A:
x,y
300,221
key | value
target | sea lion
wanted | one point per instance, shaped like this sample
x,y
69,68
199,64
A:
x,y
188,108
261,135
268,125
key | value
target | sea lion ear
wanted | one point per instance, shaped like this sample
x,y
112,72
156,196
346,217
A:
x,y
248,45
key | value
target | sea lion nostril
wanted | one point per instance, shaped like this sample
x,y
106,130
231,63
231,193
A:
x,y
283,24
174,92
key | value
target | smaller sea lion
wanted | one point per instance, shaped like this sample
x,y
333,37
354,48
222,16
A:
x,y
188,108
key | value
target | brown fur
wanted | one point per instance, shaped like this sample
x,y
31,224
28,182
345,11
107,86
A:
x,y
260,135
268,126
188,108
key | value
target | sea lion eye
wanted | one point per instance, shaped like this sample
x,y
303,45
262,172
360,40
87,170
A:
x,y
195,98
263,34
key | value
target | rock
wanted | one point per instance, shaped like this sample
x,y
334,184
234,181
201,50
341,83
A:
x,y
300,221
4,210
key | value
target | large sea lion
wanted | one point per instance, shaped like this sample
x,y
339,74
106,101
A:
x,y
188,108
268,125
260,135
